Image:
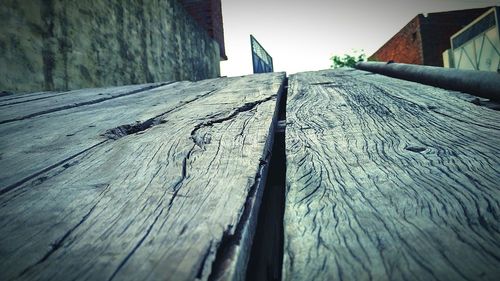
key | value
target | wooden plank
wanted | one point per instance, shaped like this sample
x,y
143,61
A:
x,y
389,180
175,199
8,97
28,106
65,133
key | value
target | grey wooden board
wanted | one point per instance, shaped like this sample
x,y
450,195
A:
x,y
13,97
389,180
34,144
158,204
28,106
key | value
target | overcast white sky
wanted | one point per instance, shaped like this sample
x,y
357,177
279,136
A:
x,y
303,35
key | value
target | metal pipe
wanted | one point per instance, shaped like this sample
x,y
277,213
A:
x,y
479,83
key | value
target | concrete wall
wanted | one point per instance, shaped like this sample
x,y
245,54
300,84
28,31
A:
x,y
70,44
208,13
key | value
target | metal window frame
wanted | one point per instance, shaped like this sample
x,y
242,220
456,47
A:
x,y
261,60
462,32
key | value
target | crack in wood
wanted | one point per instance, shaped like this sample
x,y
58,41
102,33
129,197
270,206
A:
x,y
204,258
157,219
147,88
129,129
231,236
5,93
25,101
229,241
435,109
59,242
266,257
178,185
246,107
139,243
465,121
414,148
385,188
51,167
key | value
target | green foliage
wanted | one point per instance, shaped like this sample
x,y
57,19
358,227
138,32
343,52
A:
x,y
348,60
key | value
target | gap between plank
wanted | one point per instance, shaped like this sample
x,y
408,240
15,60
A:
x,y
236,248
26,179
147,88
266,257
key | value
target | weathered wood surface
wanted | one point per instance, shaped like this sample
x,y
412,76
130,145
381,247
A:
x,y
26,106
389,180
57,135
162,184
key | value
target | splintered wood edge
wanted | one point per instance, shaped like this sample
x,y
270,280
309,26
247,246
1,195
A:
x,y
232,256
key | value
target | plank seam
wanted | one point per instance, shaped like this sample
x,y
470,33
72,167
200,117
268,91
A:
x,y
84,103
25,101
226,247
26,179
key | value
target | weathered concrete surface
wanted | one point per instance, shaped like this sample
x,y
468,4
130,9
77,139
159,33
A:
x,y
60,45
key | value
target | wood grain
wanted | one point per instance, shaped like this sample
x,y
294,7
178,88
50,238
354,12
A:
x,y
389,180
27,106
42,140
172,196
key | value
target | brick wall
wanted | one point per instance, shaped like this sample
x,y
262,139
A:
x,y
404,47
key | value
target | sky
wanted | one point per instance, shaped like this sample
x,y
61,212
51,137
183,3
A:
x,y
303,35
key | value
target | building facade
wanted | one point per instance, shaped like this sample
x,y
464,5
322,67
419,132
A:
x,y
63,45
424,39
476,46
